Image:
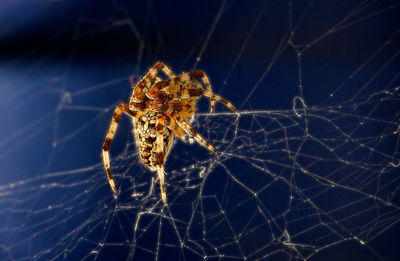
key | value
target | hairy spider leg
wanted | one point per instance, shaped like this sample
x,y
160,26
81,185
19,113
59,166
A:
x,y
150,76
190,131
195,92
165,89
133,83
123,107
182,109
199,74
147,81
172,123
220,99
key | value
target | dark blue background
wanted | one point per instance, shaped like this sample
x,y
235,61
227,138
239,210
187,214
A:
x,y
58,55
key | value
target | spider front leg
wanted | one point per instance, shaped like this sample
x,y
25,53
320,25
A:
x,y
123,107
201,75
192,92
147,81
214,96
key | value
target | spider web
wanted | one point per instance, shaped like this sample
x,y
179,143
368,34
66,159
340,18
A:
x,y
307,170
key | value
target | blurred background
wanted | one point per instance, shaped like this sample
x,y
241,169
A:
x,y
316,83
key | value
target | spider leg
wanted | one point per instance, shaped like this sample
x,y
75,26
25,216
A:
x,y
150,76
190,131
147,81
133,83
123,107
170,121
220,99
170,90
161,66
197,92
200,75
161,156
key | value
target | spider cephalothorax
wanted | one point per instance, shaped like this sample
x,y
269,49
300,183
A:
x,y
160,110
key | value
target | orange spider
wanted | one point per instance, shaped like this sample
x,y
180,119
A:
x,y
161,109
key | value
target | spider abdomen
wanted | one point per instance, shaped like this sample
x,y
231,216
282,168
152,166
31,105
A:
x,y
145,132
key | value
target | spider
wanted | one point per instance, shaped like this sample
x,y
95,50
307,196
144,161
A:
x,y
160,110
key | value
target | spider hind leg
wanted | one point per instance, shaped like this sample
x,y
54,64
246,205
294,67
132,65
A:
x,y
123,107
190,131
